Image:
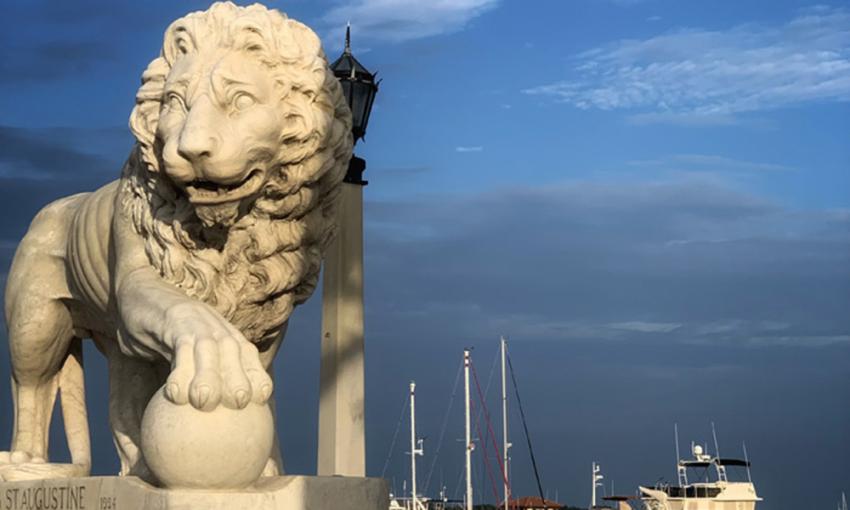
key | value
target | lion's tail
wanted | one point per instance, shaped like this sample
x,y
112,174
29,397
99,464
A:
x,y
74,414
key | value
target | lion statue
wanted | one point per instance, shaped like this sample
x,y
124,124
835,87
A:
x,y
185,270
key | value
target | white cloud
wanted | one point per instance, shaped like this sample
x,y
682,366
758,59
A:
x,y
646,327
402,20
710,162
475,148
695,75
800,341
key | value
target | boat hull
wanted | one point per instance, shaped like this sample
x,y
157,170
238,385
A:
x,y
727,499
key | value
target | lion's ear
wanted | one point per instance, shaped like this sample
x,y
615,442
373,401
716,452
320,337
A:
x,y
145,115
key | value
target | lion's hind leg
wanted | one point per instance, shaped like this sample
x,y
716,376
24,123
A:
x,y
36,377
44,354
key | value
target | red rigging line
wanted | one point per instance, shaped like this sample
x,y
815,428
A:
x,y
491,434
486,459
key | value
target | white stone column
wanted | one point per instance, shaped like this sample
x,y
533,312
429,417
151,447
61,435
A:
x,y
342,439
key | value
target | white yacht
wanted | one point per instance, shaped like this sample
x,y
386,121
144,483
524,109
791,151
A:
x,y
703,485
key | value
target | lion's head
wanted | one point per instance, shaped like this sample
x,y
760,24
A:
x,y
243,137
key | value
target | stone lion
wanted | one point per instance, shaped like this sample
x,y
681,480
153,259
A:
x,y
185,270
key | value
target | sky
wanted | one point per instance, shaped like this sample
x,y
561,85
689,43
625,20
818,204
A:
x,y
649,198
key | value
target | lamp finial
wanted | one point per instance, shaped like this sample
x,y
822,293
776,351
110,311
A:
x,y
348,38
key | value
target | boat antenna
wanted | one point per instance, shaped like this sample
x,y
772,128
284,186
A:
x,y
676,436
681,472
747,460
716,446
721,469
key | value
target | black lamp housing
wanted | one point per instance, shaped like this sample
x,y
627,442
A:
x,y
358,85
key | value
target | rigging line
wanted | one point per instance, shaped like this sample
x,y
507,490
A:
x,y
489,380
459,482
443,428
525,427
489,425
395,435
485,458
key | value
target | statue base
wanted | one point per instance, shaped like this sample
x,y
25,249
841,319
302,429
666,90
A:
x,y
131,493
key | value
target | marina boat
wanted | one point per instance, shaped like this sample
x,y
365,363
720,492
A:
x,y
704,484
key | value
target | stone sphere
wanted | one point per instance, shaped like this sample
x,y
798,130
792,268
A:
x,y
223,449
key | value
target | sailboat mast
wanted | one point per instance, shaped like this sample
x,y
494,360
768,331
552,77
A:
x,y
505,444
413,449
594,470
469,444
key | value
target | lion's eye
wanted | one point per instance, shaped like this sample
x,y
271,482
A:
x,y
243,101
174,101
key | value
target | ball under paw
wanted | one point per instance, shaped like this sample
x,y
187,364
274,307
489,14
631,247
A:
x,y
224,449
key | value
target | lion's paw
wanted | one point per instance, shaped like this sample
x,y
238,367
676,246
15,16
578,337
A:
x,y
18,465
213,363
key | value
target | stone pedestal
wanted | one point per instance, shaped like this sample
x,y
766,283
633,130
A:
x,y
130,493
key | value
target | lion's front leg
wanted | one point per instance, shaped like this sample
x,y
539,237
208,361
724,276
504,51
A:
x,y
132,382
211,361
274,466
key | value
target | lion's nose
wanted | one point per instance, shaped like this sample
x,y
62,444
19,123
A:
x,y
198,140
196,144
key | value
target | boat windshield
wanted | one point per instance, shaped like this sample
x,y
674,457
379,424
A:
x,y
706,471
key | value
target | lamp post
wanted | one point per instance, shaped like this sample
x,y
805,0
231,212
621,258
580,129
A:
x,y
342,438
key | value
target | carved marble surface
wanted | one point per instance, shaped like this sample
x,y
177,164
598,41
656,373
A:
x,y
185,270
131,493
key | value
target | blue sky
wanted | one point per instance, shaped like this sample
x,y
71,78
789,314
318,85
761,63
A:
x,y
650,198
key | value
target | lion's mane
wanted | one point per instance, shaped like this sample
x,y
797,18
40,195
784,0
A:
x,y
258,269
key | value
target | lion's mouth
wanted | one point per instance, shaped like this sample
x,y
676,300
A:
x,y
207,192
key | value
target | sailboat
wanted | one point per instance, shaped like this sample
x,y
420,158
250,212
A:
x,y
416,501
509,501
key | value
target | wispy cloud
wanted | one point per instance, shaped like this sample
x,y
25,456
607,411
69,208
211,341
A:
x,y
473,148
646,327
695,75
37,154
41,165
402,20
683,259
709,162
